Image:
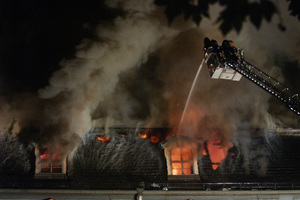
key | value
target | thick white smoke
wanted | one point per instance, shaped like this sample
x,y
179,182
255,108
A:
x,y
100,79
91,77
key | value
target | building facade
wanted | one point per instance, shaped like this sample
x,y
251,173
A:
x,y
150,165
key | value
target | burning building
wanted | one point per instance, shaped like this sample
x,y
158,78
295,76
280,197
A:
x,y
115,116
129,161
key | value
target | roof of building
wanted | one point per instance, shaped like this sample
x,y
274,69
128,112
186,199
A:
x,y
129,162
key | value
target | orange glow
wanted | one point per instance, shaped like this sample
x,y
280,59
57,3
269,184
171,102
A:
x,y
144,135
103,139
187,167
154,139
215,166
43,156
182,161
52,156
50,162
175,154
56,156
217,151
174,171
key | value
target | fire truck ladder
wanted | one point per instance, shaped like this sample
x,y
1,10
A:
x,y
258,77
267,83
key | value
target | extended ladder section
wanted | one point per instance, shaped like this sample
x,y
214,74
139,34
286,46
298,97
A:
x,y
227,62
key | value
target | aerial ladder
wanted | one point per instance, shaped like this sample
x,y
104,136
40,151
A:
x,y
227,62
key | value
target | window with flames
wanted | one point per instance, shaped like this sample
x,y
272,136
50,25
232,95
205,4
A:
x,y
182,161
51,163
48,162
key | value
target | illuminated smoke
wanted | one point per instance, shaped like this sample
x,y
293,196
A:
x,y
88,81
219,106
84,87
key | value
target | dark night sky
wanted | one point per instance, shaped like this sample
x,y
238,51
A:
x,y
35,35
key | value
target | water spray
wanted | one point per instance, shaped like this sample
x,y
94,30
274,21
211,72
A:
x,y
190,94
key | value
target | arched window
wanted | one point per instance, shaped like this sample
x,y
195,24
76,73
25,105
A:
x,y
181,156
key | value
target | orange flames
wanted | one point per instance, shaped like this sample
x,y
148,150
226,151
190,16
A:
x,y
50,162
217,150
53,156
43,156
103,139
216,147
154,139
144,135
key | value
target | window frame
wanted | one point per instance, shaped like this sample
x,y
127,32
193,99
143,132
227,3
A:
x,y
181,161
181,142
39,160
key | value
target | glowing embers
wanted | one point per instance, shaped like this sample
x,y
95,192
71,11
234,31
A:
x,y
103,139
50,163
144,135
154,137
217,151
181,161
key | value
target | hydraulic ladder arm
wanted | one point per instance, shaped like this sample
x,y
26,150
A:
x,y
227,62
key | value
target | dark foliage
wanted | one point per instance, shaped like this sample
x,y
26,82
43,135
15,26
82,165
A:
x,y
294,7
235,12
175,8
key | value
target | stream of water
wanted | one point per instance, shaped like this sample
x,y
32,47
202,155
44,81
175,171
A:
x,y
190,94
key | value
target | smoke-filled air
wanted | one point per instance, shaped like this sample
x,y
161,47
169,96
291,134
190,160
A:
x,y
138,72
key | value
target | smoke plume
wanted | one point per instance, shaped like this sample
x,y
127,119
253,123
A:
x,y
86,83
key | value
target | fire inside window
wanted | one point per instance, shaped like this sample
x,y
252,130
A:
x,y
182,161
50,163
